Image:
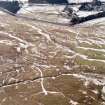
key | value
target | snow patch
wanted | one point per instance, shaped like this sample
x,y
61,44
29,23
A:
x,y
73,102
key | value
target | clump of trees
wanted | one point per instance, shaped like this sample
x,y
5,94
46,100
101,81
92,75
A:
x,y
11,6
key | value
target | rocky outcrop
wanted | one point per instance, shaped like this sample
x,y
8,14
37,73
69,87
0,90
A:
x,y
77,20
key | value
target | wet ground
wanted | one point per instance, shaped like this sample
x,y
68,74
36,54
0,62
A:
x,y
48,64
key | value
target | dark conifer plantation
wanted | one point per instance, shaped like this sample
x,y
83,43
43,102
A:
x,y
12,6
49,1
